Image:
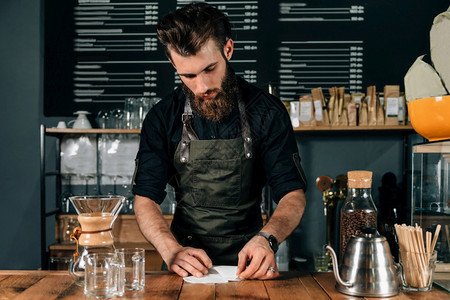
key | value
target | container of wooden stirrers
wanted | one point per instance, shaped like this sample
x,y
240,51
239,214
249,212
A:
x,y
417,270
417,256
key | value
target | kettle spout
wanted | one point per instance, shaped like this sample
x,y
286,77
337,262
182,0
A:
x,y
336,268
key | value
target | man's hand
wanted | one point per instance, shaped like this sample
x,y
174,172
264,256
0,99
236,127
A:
x,y
187,260
155,229
257,251
262,260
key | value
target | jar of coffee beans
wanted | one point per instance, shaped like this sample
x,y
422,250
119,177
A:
x,y
358,211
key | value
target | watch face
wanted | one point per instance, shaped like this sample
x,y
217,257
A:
x,y
273,243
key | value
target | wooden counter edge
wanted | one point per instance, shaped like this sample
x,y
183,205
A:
x,y
33,272
64,272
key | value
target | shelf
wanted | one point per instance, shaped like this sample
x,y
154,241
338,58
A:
x,y
57,131
439,147
355,128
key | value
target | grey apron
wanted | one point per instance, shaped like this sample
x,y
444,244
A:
x,y
217,208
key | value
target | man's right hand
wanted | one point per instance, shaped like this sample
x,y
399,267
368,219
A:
x,y
187,260
179,259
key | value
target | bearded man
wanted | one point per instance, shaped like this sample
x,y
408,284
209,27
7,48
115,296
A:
x,y
218,141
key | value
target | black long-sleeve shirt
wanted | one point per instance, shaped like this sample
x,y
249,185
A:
x,y
274,145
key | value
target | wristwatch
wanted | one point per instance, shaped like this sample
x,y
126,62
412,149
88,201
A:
x,y
273,242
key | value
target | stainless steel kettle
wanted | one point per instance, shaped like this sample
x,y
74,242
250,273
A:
x,y
367,267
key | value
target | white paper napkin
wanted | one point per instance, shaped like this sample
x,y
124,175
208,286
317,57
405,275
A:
x,y
217,274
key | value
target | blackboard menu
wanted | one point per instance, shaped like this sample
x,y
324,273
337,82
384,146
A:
x,y
99,52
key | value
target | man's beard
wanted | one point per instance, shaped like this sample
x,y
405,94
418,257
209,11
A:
x,y
221,106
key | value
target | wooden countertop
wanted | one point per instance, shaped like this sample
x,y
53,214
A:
x,y
163,285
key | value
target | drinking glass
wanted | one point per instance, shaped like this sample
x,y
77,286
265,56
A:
x,y
142,106
128,113
115,119
129,197
103,276
417,270
86,178
102,118
321,260
133,262
113,179
65,203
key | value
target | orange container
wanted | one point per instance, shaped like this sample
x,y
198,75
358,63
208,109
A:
x,y
430,117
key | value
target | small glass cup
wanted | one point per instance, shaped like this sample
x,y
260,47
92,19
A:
x,y
417,270
133,262
102,118
321,260
104,277
59,263
141,108
129,113
115,119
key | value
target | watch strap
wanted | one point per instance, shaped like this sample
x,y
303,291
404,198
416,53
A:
x,y
268,237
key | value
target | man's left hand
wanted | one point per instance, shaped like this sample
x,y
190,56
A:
x,y
262,260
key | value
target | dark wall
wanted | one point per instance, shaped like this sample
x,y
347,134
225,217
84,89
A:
x,y
20,115
385,42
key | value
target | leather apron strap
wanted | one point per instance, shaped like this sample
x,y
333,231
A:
x,y
189,134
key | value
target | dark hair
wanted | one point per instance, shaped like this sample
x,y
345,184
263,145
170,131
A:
x,y
187,29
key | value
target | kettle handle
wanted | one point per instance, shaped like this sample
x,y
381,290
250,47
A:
x,y
336,268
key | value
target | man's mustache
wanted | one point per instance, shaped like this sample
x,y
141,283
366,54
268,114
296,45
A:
x,y
216,90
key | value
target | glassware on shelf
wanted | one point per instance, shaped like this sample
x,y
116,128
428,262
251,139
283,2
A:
x,y
135,110
106,184
115,119
129,197
102,118
129,113
65,203
79,158
86,178
172,199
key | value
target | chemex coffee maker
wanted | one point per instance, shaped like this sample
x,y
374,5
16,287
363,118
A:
x,y
96,215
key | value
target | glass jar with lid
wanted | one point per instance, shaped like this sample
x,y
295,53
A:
x,y
359,210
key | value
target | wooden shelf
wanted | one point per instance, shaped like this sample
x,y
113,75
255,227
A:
x,y
56,131
355,128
